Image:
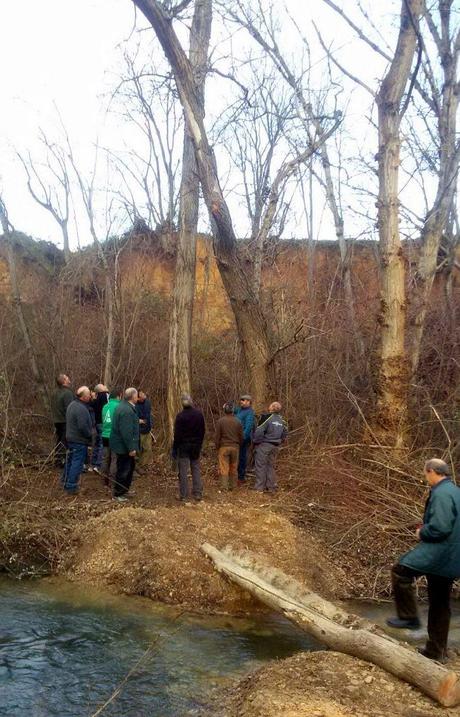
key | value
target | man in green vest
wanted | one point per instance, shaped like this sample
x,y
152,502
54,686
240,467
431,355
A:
x,y
437,556
109,467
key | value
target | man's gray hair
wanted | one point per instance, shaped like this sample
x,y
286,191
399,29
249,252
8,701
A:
x,y
82,390
275,407
99,387
130,393
186,400
438,466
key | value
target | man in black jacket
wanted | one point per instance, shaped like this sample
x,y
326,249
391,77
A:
x,y
189,430
144,412
60,399
78,434
97,404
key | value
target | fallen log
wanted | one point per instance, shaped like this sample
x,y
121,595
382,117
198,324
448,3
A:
x,y
334,627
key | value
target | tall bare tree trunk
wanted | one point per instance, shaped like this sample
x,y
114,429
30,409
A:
x,y
344,253
110,318
180,331
17,302
392,382
250,321
449,157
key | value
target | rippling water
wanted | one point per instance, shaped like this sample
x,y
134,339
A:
x,y
65,650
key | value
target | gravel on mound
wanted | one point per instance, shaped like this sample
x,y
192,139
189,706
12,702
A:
x,y
156,553
327,684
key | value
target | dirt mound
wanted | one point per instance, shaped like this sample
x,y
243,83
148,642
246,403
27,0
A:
x,y
155,552
327,684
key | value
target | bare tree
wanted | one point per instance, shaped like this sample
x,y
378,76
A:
x,y
392,104
443,97
437,88
87,189
261,26
8,234
250,321
252,327
149,172
180,333
50,187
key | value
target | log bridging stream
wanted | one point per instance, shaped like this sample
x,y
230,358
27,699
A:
x,y
334,627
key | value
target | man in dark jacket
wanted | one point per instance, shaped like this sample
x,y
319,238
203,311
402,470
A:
x,y
229,437
437,556
124,441
60,399
78,436
189,430
97,404
144,412
267,439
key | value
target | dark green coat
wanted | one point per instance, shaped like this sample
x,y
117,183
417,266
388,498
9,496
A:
x,y
61,397
124,436
438,551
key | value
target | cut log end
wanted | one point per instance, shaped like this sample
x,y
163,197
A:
x,y
449,690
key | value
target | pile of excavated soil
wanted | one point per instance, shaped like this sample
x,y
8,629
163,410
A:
x,y
156,553
327,684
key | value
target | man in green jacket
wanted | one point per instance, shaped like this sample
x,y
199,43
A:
x,y
124,441
437,556
109,466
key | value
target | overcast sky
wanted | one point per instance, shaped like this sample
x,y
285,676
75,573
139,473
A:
x,y
57,54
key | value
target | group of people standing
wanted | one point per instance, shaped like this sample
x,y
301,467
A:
x,y
118,428
101,431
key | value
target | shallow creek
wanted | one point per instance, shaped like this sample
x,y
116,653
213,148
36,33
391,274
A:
x,y
73,651
65,649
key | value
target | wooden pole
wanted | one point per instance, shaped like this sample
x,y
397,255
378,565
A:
x,y
335,628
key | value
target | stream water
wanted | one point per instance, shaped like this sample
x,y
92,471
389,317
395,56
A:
x,y
65,649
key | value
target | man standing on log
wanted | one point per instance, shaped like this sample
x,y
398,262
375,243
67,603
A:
x,y
437,556
267,439
124,441
189,430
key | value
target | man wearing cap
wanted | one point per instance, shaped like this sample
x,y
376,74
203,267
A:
x,y
189,430
245,415
267,439
437,556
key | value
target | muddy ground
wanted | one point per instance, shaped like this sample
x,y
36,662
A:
x,y
327,684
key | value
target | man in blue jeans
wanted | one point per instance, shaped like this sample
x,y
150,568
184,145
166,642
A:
x,y
245,415
78,437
